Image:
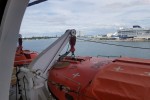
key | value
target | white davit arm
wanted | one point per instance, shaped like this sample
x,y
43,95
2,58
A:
x,y
34,80
50,55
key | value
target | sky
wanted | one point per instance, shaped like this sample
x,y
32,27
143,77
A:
x,y
90,17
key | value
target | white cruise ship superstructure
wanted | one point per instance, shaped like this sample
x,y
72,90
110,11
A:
x,y
135,32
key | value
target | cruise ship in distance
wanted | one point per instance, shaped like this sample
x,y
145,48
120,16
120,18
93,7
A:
x,y
135,32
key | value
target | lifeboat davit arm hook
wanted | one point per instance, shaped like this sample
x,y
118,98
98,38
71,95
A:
x,y
37,73
72,42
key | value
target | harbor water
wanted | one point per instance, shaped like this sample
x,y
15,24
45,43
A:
x,y
84,48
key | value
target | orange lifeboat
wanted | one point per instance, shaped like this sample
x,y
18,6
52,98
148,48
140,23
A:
x,y
24,57
92,78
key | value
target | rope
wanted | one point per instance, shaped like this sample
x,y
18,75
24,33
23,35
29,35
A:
x,y
24,88
67,48
114,44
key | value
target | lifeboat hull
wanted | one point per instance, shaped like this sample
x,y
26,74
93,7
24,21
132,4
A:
x,y
91,78
24,58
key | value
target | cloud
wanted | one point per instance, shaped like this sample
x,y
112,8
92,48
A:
x,y
88,16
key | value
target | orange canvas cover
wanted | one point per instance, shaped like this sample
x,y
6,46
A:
x,y
124,79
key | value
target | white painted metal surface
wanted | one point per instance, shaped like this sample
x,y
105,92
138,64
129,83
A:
x,y
9,30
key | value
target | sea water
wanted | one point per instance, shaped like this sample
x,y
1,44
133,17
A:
x,y
84,48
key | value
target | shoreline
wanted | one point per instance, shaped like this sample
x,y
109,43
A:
x,y
120,40
123,40
38,38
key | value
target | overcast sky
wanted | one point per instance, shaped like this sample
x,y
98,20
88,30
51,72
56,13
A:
x,y
88,16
